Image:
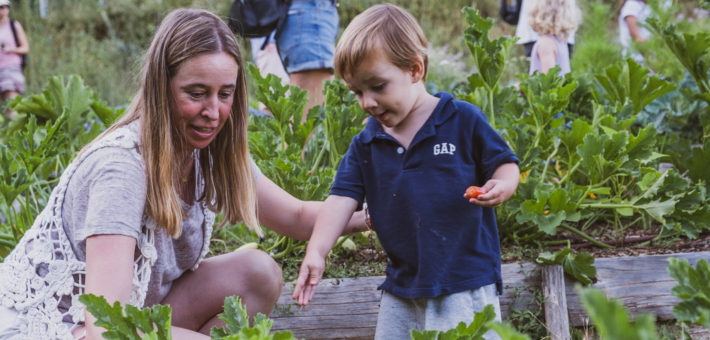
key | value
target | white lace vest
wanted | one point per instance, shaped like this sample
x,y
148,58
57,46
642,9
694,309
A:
x,y
46,245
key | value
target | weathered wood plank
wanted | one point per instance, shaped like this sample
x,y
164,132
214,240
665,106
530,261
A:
x,y
641,283
553,290
347,308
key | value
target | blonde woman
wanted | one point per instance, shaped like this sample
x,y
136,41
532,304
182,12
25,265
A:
x,y
555,21
131,218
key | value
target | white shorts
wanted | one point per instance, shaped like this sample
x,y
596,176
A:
x,y
10,324
399,316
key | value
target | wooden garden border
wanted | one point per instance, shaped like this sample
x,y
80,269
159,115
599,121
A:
x,y
347,308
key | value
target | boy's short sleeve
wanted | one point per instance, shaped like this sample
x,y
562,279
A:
x,y
348,180
490,149
631,8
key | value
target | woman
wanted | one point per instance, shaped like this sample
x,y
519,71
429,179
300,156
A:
x,y
555,20
13,44
135,211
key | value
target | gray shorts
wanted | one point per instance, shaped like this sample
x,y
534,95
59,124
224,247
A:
x,y
399,316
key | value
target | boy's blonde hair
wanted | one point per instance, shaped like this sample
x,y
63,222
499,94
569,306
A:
x,y
557,17
385,27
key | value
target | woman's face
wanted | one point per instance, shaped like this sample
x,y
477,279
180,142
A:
x,y
4,11
203,89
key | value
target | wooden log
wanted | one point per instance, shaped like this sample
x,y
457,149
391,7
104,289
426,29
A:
x,y
553,290
347,308
641,283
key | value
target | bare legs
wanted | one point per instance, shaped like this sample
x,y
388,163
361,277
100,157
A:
x,y
197,297
8,95
312,81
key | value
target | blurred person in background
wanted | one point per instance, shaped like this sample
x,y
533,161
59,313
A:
x,y
307,45
633,14
528,35
266,57
555,21
13,45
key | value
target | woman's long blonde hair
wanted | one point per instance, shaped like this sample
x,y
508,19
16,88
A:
x,y
225,164
557,17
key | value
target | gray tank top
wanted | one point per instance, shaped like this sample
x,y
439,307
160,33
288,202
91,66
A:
x,y
562,57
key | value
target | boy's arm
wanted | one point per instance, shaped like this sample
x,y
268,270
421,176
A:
x,y
330,224
500,187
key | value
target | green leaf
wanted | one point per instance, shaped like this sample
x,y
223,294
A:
x,y
699,164
506,332
612,320
625,211
580,266
549,223
693,288
627,80
690,49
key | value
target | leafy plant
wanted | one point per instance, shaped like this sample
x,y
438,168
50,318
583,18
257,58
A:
x,y
611,319
482,322
237,320
693,289
489,57
153,322
301,155
580,266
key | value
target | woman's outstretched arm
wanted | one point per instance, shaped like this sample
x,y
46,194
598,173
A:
x,y
289,216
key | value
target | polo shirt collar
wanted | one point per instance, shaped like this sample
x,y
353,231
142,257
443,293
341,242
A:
x,y
444,109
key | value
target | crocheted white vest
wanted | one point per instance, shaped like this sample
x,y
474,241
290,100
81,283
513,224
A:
x,y
46,248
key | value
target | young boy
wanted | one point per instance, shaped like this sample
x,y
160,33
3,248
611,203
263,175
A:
x,y
413,162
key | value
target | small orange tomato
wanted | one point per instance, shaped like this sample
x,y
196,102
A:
x,y
592,195
474,192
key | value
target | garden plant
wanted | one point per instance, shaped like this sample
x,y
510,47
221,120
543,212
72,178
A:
x,y
593,150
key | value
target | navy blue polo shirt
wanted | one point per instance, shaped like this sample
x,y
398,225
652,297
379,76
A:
x,y
437,242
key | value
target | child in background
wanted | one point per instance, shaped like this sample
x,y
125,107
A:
x,y
633,14
413,161
555,20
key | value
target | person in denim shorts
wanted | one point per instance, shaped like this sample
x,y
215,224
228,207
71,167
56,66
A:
x,y
307,44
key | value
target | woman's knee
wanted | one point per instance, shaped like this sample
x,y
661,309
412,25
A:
x,y
262,272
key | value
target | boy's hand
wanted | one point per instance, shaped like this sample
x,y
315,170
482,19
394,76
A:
x,y
497,192
308,278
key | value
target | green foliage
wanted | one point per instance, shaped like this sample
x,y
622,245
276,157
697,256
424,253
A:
x,y
482,322
153,322
629,81
690,49
580,266
592,50
612,321
693,288
301,155
489,57
70,98
50,129
237,320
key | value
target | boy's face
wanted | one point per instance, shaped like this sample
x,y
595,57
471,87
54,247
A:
x,y
385,91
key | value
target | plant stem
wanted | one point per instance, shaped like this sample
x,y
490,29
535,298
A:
x,y
569,173
585,236
320,155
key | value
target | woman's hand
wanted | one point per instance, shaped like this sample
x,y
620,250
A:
x,y
308,277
